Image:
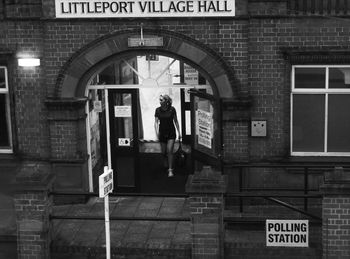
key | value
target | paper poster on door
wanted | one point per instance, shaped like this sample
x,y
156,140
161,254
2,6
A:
x,y
122,111
98,106
190,75
204,128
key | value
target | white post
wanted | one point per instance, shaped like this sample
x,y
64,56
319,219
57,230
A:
x,y
108,137
108,238
105,182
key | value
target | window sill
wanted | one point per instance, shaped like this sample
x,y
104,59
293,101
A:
x,y
6,151
323,159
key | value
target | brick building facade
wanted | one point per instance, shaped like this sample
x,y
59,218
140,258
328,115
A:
x,y
257,48
265,64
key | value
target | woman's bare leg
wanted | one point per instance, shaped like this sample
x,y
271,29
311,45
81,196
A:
x,y
170,152
163,148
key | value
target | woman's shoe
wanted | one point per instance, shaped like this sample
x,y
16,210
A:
x,y
170,172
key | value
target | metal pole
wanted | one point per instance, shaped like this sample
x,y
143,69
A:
x,y
240,182
306,186
108,240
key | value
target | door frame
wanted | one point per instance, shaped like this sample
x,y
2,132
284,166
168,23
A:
x,y
195,154
184,87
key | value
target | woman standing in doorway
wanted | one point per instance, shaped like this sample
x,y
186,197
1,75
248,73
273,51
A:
x,y
165,119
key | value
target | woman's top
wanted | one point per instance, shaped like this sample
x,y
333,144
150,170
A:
x,y
166,119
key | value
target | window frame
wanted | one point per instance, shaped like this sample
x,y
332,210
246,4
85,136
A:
x,y
326,91
5,91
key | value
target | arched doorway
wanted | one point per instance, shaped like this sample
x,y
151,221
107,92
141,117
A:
x,y
123,93
110,67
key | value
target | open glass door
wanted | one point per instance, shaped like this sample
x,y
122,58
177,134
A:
x,y
206,130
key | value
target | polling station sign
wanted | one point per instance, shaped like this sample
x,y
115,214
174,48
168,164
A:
x,y
143,8
287,233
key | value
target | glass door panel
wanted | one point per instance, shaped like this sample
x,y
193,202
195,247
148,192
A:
x,y
124,136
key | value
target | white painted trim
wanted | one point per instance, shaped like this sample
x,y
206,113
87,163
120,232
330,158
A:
x,y
108,133
291,113
326,123
5,91
90,87
6,151
88,140
320,154
324,91
321,91
318,66
326,113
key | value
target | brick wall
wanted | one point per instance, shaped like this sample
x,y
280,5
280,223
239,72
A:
x,y
63,147
253,48
32,225
67,129
206,203
236,141
336,214
33,207
269,72
27,86
63,39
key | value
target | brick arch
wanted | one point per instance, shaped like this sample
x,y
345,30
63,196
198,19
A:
x,y
205,59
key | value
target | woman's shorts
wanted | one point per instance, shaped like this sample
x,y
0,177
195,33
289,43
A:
x,y
165,136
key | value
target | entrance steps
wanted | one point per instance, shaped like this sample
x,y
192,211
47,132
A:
x,y
81,238
244,235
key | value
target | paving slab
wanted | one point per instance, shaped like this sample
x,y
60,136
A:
x,y
98,209
66,232
171,211
124,211
139,227
163,230
80,210
152,212
62,210
88,233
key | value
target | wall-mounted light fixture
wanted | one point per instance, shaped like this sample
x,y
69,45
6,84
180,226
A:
x,y
29,62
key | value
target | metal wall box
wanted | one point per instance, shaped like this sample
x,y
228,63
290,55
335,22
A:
x,y
258,128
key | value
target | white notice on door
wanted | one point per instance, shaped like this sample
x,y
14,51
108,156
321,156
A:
x,y
122,111
191,75
204,128
125,142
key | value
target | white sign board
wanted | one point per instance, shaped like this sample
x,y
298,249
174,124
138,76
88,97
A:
x,y
143,8
105,182
204,128
147,42
122,111
124,142
190,75
287,233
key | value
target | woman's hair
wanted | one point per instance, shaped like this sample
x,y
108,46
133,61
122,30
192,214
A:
x,y
167,99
